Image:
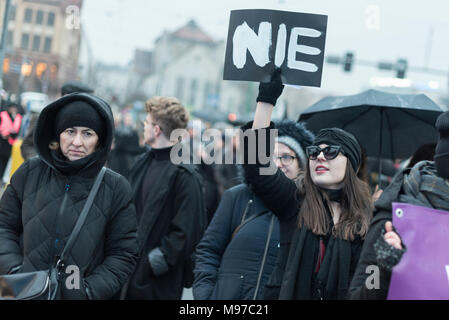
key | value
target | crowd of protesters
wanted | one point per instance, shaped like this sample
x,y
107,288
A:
x,y
306,232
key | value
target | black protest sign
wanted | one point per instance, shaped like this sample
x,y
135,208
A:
x,y
261,40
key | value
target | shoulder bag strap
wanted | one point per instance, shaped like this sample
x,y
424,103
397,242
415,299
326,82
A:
x,y
83,215
244,220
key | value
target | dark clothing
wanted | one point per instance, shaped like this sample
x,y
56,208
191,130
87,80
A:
x,y
27,148
227,175
172,222
152,179
41,206
125,152
212,196
300,272
5,154
419,185
236,267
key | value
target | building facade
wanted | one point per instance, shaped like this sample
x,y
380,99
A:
x,y
188,64
42,45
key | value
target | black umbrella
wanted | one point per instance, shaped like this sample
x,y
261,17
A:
x,y
387,125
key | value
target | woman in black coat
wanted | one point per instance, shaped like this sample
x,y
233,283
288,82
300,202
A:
x,y
324,215
47,193
237,254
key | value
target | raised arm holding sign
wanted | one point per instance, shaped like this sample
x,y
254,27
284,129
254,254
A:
x,y
316,236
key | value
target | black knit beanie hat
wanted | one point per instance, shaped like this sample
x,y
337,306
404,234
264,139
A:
x,y
441,157
348,143
80,114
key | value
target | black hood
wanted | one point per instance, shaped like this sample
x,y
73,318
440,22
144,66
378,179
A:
x,y
45,132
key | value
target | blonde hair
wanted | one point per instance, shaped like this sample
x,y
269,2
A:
x,y
168,113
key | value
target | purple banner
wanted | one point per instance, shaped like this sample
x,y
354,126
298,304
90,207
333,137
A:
x,y
423,273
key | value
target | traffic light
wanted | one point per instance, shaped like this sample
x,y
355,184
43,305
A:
x,y
349,59
401,68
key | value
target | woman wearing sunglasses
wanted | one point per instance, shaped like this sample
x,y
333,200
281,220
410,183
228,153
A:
x,y
324,214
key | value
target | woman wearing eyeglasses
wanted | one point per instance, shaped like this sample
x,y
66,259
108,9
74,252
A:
x,y
237,254
324,214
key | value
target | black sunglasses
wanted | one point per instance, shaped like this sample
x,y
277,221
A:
x,y
329,152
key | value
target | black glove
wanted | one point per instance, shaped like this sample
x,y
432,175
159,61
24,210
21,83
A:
x,y
388,256
270,92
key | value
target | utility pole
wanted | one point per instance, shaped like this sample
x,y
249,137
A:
x,y
3,40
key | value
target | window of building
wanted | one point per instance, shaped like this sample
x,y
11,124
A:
x,y
180,88
193,91
25,41
51,19
39,17
47,45
12,13
36,43
9,38
28,15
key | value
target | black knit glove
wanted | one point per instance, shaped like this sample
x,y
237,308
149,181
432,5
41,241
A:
x,y
387,256
270,92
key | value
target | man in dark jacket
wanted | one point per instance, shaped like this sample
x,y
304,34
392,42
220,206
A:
x,y
40,207
426,184
170,208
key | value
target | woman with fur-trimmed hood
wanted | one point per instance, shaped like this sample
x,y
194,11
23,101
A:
x,y
237,254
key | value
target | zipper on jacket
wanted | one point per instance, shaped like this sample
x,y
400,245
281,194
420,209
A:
x,y
57,237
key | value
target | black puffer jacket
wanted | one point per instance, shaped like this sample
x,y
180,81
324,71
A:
x,y
106,248
234,265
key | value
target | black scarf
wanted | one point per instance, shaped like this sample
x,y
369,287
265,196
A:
x,y
87,167
334,195
423,187
332,281
300,282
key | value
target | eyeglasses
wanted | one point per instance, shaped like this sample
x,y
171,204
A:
x,y
285,159
329,152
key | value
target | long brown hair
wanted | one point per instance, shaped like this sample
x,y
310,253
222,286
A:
x,y
356,206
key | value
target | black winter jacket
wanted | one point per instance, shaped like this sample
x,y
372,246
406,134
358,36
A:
x,y
31,215
236,267
358,289
173,221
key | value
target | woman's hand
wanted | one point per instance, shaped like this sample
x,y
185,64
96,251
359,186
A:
x,y
269,92
391,237
268,95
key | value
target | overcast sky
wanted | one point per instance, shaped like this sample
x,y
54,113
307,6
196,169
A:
x,y
374,30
